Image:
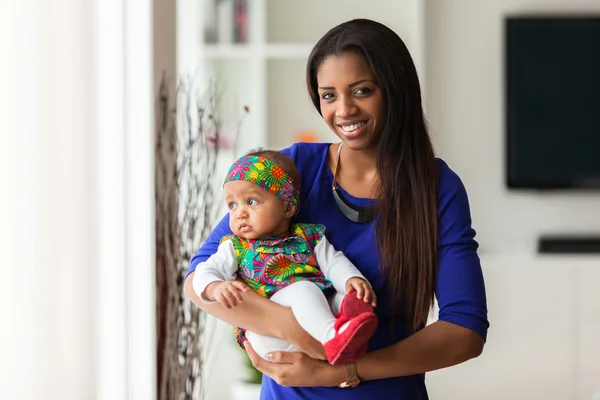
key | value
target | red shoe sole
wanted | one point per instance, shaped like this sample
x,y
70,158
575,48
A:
x,y
352,306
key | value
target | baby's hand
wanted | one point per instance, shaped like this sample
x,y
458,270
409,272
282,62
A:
x,y
363,290
229,293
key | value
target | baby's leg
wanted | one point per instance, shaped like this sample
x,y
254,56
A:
x,y
311,308
335,302
265,344
344,339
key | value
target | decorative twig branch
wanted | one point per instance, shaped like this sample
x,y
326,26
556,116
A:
x,y
187,147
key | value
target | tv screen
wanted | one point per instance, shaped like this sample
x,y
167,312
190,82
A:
x,y
552,67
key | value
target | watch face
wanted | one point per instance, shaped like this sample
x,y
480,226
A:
x,y
348,384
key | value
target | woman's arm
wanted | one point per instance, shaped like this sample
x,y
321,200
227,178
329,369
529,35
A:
x,y
262,316
255,313
460,333
437,346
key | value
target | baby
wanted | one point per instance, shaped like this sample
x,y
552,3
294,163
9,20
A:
x,y
292,264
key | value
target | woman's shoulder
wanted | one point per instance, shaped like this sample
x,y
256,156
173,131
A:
x,y
453,201
448,180
310,160
304,152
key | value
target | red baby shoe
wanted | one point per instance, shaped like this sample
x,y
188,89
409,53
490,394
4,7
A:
x,y
349,345
352,306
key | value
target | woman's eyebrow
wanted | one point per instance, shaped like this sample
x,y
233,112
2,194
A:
x,y
350,85
359,82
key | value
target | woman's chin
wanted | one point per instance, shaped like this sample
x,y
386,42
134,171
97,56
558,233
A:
x,y
361,143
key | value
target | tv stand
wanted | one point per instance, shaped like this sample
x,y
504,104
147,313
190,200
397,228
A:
x,y
569,244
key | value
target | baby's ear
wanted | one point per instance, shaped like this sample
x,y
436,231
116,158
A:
x,y
290,210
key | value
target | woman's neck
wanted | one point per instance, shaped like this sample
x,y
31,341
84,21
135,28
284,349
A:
x,y
356,171
360,165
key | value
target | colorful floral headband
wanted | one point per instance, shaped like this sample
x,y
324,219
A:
x,y
265,174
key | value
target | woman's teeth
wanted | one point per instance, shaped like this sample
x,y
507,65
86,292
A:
x,y
353,127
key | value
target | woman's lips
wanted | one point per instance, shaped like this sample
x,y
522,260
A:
x,y
354,133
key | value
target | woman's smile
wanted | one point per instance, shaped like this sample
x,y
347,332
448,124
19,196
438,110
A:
x,y
354,128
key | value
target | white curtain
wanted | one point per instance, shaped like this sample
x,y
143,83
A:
x,y
75,157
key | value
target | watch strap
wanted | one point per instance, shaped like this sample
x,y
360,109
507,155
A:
x,y
352,379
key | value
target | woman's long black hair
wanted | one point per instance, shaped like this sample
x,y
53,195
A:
x,y
406,227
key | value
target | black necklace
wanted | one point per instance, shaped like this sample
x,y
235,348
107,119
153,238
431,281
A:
x,y
353,213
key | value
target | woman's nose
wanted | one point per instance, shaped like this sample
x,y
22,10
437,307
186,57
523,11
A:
x,y
345,108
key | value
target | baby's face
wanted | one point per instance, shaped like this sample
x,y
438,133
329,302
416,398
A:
x,y
253,212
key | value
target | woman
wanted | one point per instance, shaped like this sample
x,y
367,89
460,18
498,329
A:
x,y
398,213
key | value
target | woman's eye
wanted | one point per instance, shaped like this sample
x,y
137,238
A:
x,y
327,96
252,202
363,91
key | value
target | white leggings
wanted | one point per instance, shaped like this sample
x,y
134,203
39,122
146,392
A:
x,y
313,311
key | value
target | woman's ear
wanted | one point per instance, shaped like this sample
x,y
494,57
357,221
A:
x,y
290,210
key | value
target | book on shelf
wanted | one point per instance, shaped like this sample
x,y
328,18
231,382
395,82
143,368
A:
x,y
226,21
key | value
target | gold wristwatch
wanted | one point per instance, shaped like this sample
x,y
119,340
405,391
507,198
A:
x,y
351,376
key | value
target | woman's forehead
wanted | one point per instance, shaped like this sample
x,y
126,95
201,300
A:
x,y
348,66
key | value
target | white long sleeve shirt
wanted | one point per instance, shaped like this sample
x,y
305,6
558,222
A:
x,y
223,266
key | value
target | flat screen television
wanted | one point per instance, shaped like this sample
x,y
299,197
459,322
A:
x,y
552,100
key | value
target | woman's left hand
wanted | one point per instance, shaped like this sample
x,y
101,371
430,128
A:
x,y
296,369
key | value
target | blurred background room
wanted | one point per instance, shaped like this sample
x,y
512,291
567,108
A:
x,y
90,309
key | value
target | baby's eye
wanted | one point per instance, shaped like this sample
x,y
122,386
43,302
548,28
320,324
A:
x,y
252,202
232,206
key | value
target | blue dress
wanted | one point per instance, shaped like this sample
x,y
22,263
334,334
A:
x,y
460,288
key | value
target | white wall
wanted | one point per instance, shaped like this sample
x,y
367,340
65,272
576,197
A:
x,y
544,328
465,109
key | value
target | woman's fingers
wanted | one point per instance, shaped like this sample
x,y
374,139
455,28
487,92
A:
x,y
258,362
283,357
